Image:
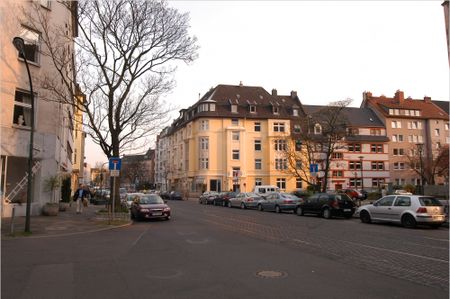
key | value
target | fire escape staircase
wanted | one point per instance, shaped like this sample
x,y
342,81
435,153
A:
x,y
23,182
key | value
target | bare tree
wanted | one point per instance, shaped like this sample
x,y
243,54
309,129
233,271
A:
x,y
134,171
125,55
431,167
322,133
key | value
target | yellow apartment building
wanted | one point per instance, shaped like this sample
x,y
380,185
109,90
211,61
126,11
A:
x,y
231,139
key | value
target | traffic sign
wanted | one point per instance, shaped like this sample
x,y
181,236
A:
x,y
313,168
114,173
115,163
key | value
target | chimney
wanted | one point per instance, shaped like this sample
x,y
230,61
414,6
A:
x,y
427,99
293,94
274,92
367,95
399,96
240,84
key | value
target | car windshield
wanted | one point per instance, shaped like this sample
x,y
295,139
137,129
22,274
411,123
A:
x,y
340,197
429,201
288,196
154,199
251,194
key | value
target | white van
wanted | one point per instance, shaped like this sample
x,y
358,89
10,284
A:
x,y
265,189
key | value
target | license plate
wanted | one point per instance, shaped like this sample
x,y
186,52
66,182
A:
x,y
157,214
438,217
347,210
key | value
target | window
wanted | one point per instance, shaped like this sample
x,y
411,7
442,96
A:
x,y
281,164
376,148
446,126
280,145
298,183
338,173
352,131
436,132
438,145
204,163
278,127
22,109
258,181
298,164
32,43
375,132
298,145
337,156
398,151
399,165
397,138
235,135
317,129
354,147
234,108
414,125
400,182
281,183
355,182
258,164
235,122
252,109
235,155
402,201
386,201
297,129
204,125
204,143
257,127
395,124
377,182
295,112
377,165
257,145
354,165
212,107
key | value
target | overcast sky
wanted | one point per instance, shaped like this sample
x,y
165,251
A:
x,y
324,50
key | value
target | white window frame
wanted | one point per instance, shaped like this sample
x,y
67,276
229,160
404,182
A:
x,y
281,183
258,164
234,108
235,154
235,135
257,127
26,109
258,143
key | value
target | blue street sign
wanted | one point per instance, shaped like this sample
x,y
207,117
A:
x,y
313,168
115,163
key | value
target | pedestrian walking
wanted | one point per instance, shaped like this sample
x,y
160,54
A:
x,y
79,196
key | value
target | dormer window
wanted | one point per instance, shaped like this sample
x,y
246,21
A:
x,y
317,129
234,108
212,107
295,112
275,110
252,109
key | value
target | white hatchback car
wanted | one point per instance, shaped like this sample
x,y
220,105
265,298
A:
x,y
408,210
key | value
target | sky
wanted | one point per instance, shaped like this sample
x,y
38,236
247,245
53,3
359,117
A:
x,y
325,50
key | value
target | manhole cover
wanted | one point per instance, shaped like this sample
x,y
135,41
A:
x,y
271,274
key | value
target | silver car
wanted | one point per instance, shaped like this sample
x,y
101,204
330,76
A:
x,y
408,210
279,202
245,200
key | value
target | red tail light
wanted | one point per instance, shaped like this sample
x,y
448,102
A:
x,y
421,210
287,201
249,199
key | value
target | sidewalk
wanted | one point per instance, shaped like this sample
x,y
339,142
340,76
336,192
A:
x,y
66,223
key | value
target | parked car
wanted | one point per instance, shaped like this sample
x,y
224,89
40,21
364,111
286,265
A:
x,y
149,206
208,197
175,195
327,205
101,197
264,190
407,210
245,200
352,193
223,198
123,193
278,202
130,197
164,194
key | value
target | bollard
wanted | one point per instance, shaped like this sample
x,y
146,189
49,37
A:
x,y
12,219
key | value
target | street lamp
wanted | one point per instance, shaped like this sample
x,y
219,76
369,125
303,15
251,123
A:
x,y
420,150
19,44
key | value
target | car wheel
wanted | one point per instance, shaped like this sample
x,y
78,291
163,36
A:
x,y
299,211
229,204
365,217
326,213
243,206
260,208
168,218
277,209
408,221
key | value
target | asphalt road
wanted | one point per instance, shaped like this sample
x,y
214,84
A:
x,y
215,252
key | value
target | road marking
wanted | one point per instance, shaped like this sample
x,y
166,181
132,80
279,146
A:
x,y
399,252
138,238
204,241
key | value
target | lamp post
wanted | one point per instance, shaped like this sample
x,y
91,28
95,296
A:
x,y
420,150
19,44
362,176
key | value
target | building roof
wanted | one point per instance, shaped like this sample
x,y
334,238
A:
x,y
428,110
444,105
355,117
